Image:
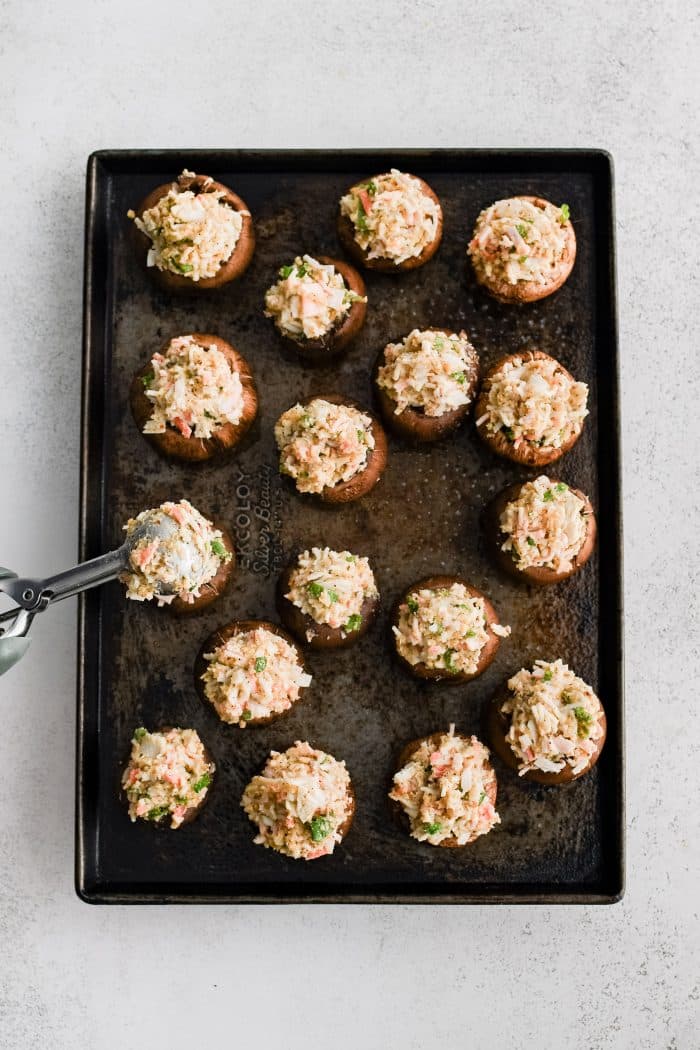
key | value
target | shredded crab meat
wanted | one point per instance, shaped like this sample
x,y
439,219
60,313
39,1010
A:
x,y
392,217
554,719
332,588
309,300
445,629
300,802
534,402
254,674
446,791
545,526
178,565
192,234
322,444
430,371
517,240
193,389
167,775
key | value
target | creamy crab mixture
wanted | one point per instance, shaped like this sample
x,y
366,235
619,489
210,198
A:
x,y
332,587
430,371
300,802
392,217
193,389
545,527
177,565
534,402
322,445
446,790
191,234
254,674
309,300
168,774
445,629
518,240
554,719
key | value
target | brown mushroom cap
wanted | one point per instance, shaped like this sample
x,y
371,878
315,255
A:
x,y
192,811
219,638
346,236
192,449
364,480
412,423
538,574
334,343
405,757
531,291
232,268
217,585
497,725
324,636
445,677
526,454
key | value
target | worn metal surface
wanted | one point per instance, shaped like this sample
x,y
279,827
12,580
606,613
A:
x,y
423,518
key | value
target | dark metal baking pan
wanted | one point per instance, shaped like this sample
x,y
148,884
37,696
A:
x,y
135,662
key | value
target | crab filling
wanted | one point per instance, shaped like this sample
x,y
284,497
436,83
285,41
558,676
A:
x,y
517,240
253,675
447,791
309,300
193,389
444,629
191,234
178,564
322,444
168,775
392,216
430,371
554,719
534,402
332,587
545,527
300,802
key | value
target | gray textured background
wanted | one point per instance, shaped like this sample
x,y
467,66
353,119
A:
x,y
621,76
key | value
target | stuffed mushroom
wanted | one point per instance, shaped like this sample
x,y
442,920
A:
x,y
185,569
195,399
168,777
427,382
541,530
444,789
327,598
523,249
194,233
318,306
251,672
390,222
548,724
530,409
331,447
446,630
302,802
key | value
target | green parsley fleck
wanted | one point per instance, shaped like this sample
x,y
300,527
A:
x,y
412,605
286,271
140,733
302,270
448,657
202,783
333,595
320,828
315,589
548,675
509,433
561,487
531,542
522,230
438,342
182,267
354,623
362,437
371,187
584,720
350,557
482,796
260,664
147,379
548,496
459,376
564,214
247,715
220,551
432,829
157,812
361,218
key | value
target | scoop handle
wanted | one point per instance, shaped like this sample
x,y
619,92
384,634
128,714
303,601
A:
x,y
37,594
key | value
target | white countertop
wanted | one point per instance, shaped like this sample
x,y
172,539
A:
x,y
78,77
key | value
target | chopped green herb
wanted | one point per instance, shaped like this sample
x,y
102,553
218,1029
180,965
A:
x,y
285,271
354,623
306,421
361,217
531,542
247,715
448,657
522,259
548,675
140,733
509,433
302,270
333,595
371,187
522,230
208,414
157,812
362,437
320,828
412,605
147,379
482,796
432,829
202,783
584,720
182,267
220,551
350,557
561,487
548,496
564,213
459,376
438,342
315,589
470,634
260,664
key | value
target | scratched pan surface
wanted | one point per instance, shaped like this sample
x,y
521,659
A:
x,y
553,844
